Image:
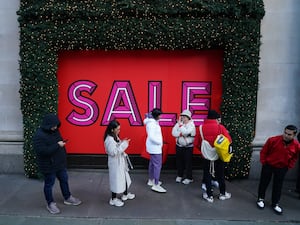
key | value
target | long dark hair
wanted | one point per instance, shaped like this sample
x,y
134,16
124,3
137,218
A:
x,y
109,130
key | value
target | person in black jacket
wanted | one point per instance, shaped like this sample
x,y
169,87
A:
x,y
51,160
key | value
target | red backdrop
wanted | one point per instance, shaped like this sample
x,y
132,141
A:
x,y
97,86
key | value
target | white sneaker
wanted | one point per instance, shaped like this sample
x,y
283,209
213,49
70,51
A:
x,y
260,203
158,188
178,179
187,181
203,187
225,196
116,202
129,196
52,208
209,199
151,182
277,209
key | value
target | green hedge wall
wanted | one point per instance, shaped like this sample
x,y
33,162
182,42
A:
x,y
48,26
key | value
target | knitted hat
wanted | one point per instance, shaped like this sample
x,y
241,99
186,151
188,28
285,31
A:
x,y
186,113
212,114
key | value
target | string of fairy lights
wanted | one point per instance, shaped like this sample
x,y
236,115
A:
x,y
49,26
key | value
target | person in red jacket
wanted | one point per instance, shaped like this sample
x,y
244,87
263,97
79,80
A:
x,y
298,175
211,128
278,154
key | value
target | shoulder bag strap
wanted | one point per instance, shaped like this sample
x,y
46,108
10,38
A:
x,y
201,132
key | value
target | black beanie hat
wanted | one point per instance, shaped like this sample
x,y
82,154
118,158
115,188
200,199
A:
x,y
212,114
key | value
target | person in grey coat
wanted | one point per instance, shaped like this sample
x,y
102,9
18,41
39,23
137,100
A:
x,y
119,179
52,162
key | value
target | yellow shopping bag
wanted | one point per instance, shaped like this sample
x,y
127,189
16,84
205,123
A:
x,y
223,148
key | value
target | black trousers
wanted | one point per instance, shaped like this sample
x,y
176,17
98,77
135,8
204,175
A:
x,y
278,174
184,157
219,168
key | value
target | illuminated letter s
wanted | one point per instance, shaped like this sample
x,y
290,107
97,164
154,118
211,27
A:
x,y
90,107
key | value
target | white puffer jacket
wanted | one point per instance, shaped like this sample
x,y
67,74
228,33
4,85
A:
x,y
154,141
184,134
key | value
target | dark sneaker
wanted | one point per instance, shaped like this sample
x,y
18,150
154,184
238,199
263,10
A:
x,y
260,203
52,208
72,201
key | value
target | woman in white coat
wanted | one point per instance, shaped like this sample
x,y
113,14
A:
x,y
119,179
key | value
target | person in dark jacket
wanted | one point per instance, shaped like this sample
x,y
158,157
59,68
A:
x,y
51,159
278,154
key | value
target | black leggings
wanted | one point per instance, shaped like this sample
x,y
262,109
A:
x,y
114,195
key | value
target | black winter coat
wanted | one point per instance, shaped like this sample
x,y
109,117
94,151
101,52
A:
x,y
50,156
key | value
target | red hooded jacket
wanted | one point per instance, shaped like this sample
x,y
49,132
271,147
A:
x,y
211,129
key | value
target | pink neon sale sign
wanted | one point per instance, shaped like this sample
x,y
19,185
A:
x,y
96,87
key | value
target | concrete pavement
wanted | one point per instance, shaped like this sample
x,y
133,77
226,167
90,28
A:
x,y
22,202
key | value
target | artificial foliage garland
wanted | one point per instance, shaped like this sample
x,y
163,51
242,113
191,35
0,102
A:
x,y
49,26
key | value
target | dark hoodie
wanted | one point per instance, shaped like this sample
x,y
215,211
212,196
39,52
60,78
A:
x,y
50,156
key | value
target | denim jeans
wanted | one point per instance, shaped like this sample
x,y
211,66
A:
x,y
49,181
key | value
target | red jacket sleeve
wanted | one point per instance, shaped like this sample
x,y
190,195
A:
x,y
225,132
264,152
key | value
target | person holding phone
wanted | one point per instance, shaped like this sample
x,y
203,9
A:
x,y
52,162
119,178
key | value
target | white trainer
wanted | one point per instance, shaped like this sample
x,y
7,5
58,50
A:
x,y
178,179
209,199
158,188
187,181
129,196
277,209
116,202
225,196
260,203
